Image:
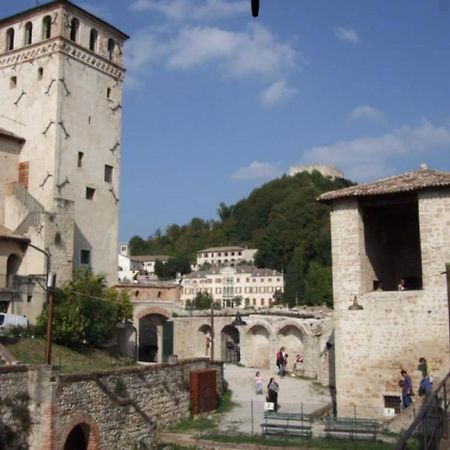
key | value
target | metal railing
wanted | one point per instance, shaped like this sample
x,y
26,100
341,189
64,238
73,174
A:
x,y
34,208
431,423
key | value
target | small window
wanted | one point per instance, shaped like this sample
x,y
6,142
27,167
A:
x,y
85,257
28,33
40,73
392,402
80,159
10,39
90,193
74,27
108,173
13,82
46,27
93,40
108,93
111,47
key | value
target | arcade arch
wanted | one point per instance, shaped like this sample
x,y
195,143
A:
x,y
230,344
257,346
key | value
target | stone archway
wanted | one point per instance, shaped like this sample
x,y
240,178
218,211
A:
x,y
257,346
12,267
82,434
150,337
291,337
230,339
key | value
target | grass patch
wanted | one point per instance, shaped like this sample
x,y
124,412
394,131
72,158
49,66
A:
x,y
313,443
32,351
226,403
194,424
204,423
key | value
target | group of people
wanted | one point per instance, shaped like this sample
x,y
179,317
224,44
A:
x,y
272,389
425,385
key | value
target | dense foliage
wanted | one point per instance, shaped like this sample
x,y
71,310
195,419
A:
x,y
282,219
172,267
86,311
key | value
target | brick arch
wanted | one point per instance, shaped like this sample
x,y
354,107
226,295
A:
x,y
260,323
153,310
94,432
292,323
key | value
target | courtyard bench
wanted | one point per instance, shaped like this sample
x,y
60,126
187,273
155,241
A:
x,y
351,427
286,424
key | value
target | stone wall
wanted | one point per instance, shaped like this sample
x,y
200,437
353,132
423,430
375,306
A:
x,y
119,408
14,413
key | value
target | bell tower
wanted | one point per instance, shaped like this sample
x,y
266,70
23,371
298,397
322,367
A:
x,y
61,79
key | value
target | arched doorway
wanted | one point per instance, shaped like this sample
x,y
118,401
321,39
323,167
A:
x,y
78,438
291,338
204,338
258,347
12,267
150,337
230,344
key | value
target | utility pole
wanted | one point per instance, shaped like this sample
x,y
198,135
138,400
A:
x,y
447,273
51,281
212,331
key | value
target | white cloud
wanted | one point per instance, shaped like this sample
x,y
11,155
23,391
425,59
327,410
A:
x,y
346,34
185,10
368,158
277,93
255,52
237,54
257,170
366,112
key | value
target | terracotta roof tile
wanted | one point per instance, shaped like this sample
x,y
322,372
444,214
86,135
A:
x,y
408,182
8,134
6,233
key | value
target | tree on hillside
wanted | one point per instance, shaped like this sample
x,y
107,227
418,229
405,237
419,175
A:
x,y
86,311
169,269
318,289
294,289
203,300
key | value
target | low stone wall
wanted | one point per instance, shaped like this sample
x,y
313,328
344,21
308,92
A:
x,y
15,420
121,408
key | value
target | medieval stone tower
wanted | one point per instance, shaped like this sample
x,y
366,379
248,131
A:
x,y
61,77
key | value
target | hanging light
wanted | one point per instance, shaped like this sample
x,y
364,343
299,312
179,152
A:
x,y
255,8
355,306
238,321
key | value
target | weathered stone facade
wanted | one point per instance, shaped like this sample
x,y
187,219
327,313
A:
x,y
62,72
115,409
394,327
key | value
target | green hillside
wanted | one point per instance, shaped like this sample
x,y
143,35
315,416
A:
x,y
282,219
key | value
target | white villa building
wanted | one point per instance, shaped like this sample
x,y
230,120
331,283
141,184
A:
x,y
256,287
226,256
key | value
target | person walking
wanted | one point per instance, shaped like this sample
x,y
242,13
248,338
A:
x,y
426,383
272,393
407,392
280,361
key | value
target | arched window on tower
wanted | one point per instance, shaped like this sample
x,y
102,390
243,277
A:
x,y
46,27
74,28
10,39
93,40
111,47
28,33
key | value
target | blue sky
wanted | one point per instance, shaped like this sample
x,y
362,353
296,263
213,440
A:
x,y
217,102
